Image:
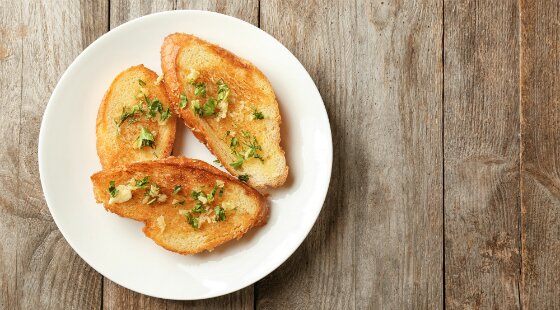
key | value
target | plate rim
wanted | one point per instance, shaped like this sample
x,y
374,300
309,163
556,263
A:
x,y
323,191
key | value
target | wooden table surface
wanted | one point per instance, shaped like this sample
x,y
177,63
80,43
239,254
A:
x,y
446,176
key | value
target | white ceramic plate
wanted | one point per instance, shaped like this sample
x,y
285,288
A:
x,y
116,247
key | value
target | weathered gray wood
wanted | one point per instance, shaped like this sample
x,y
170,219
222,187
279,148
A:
x,y
94,20
115,296
125,10
481,125
38,268
399,228
378,240
11,33
540,183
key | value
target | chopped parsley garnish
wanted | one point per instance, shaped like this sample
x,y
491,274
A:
x,y
153,191
217,161
210,107
178,202
243,177
165,115
183,101
210,196
237,162
253,147
195,194
146,138
193,221
153,194
177,189
112,189
257,114
126,114
141,183
223,91
200,89
250,149
142,83
195,105
198,208
220,214
154,106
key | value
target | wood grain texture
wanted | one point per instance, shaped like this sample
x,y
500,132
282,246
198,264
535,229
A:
x,y
399,227
428,160
115,296
540,158
481,121
94,20
378,240
39,269
11,50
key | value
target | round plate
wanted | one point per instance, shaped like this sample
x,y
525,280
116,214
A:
x,y
116,247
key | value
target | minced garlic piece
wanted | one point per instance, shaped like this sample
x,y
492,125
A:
x,y
162,198
123,194
205,219
228,206
160,221
223,108
143,92
158,80
154,190
183,212
203,199
220,183
192,76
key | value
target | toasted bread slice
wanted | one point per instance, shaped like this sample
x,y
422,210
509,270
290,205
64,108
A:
x,y
209,208
229,105
133,122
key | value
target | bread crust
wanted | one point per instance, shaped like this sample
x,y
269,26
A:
x,y
252,86
189,173
113,151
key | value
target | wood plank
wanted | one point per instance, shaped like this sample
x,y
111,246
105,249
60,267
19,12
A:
x,y
94,20
39,269
378,68
540,182
402,51
481,154
399,233
125,10
115,296
12,30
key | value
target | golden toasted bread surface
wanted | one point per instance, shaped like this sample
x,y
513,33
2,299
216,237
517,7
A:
x,y
230,106
134,122
187,205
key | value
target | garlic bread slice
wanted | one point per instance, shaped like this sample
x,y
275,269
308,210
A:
x,y
134,121
187,205
230,106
